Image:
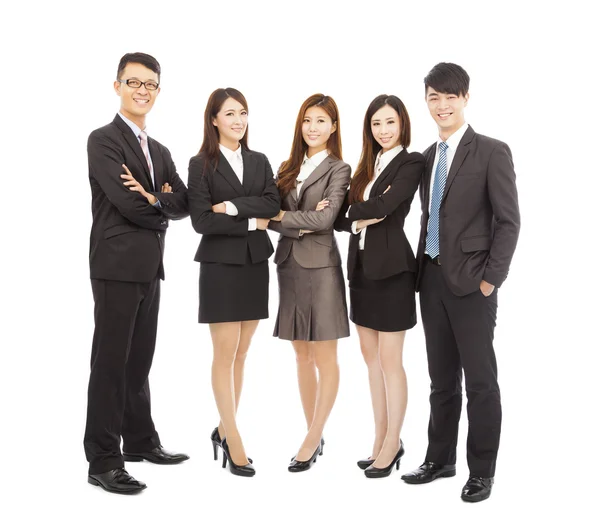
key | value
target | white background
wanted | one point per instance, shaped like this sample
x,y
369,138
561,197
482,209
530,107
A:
x,y
534,85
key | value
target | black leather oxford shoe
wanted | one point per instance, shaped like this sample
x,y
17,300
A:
x,y
158,455
117,481
477,489
429,471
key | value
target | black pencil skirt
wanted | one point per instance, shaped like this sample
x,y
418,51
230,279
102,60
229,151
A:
x,y
233,292
386,305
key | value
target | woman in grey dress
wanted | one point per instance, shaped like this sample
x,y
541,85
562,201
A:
x,y
312,302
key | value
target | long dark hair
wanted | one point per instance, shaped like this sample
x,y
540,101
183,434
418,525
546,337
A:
x,y
366,166
289,170
210,142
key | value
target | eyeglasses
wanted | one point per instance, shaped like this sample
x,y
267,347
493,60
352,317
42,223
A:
x,y
135,83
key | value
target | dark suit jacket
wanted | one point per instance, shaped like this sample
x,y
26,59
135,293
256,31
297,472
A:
x,y
226,239
128,234
479,213
319,249
387,252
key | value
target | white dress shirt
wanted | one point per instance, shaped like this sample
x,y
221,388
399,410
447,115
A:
x,y
381,162
236,161
452,143
309,165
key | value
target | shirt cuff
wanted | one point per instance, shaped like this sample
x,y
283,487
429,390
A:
x,y
251,222
158,204
354,229
231,210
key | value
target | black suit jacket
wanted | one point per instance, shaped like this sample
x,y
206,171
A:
x,y
226,239
479,213
387,252
127,238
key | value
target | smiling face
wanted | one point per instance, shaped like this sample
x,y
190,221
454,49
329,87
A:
x,y
447,110
385,127
136,102
317,127
231,123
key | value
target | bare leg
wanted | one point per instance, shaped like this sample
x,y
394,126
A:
x,y
391,345
327,388
226,337
307,378
247,331
369,345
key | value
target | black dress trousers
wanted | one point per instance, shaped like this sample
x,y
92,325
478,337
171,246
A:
x,y
459,333
125,315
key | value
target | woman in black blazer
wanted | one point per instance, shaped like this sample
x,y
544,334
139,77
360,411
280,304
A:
x,y
382,268
232,194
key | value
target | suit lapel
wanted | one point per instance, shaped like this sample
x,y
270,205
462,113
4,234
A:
x,y
249,178
459,157
225,169
378,188
291,202
134,144
318,172
430,159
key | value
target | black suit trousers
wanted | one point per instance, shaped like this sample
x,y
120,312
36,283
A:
x,y
459,333
125,315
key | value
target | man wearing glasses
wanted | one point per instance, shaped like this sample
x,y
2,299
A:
x,y
135,191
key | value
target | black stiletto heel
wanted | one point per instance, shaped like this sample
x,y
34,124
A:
x,y
216,441
243,471
374,473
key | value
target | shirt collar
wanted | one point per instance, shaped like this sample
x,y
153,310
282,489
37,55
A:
x,y
385,158
134,127
454,139
231,155
316,159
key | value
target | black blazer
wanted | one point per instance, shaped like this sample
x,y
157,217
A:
x,y
387,252
127,238
479,213
226,239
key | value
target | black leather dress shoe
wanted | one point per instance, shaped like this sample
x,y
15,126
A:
x,y
365,463
429,471
297,466
117,481
158,455
477,489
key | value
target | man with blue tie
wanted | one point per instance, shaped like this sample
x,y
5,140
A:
x,y
135,191
469,229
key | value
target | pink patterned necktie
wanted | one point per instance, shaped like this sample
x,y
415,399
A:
x,y
144,145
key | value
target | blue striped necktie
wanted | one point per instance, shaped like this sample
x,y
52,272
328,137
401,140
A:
x,y
432,242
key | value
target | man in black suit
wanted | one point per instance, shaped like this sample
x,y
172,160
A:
x,y
135,191
469,229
